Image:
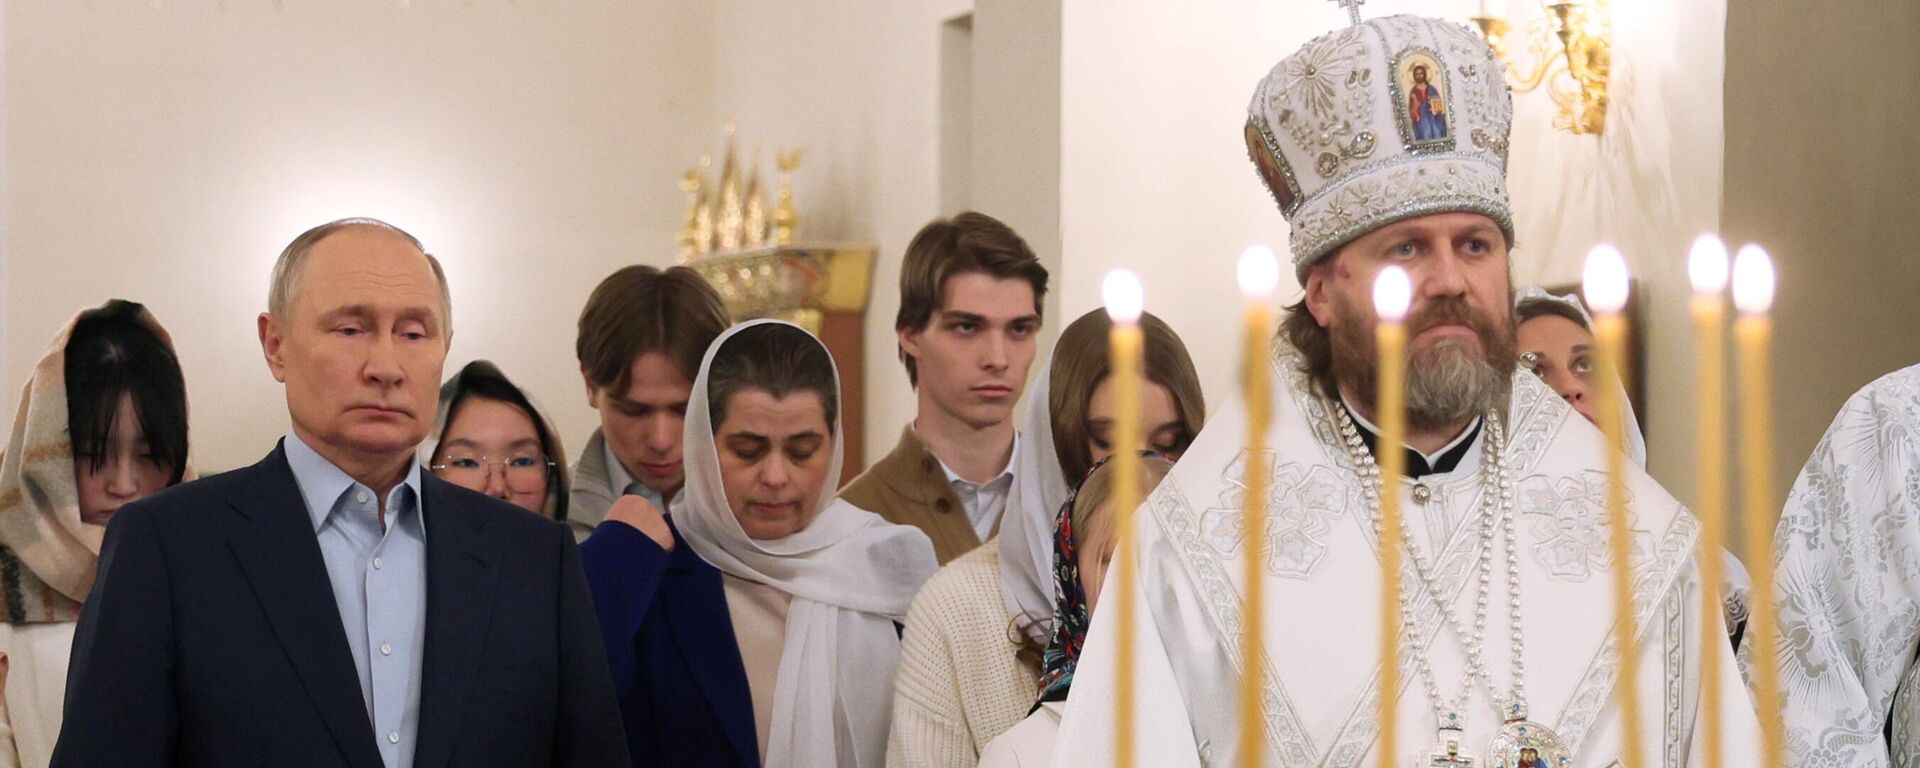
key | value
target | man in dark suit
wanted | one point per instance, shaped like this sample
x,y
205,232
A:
x,y
332,605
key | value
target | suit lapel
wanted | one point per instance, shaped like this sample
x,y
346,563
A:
x,y
696,606
459,582
280,556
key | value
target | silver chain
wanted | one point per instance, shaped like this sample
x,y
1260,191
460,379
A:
x,y
1497,503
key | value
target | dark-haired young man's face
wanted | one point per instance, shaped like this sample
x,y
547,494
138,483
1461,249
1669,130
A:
x,y
643,425
972,357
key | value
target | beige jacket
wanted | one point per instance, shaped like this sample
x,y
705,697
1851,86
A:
x,y
907,487
961,682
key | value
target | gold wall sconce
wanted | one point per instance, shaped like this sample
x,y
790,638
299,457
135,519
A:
x,y
1569,49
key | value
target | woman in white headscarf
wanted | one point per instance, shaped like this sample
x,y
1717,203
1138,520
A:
x,y
1555,340
971,656
759,625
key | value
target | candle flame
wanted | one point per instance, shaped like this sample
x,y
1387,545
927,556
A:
x,y
1259,271
1707,265
1605,280
1392,292
1124,296
1752,280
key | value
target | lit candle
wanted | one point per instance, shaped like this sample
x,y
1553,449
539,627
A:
x,y
1124,298
1392,292
1259,272
1605,282
1753,296
1707,270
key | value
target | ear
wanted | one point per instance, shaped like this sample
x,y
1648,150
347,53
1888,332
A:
x,y
593,392
1319,297
910,340
273,346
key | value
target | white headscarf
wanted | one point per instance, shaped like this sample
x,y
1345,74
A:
x,y
1734,581
1636,442
1033,506
851,576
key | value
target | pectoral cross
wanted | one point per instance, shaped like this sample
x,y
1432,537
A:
x,y
1448,756
1353,8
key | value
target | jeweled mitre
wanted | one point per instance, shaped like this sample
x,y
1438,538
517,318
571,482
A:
x,y
1393,118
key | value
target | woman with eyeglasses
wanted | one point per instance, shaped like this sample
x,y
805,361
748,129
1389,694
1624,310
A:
x,y
490,438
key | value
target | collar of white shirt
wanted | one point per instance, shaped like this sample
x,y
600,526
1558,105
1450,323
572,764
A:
x,y
984,501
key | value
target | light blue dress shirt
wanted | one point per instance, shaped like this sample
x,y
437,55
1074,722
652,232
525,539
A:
x,y
379,582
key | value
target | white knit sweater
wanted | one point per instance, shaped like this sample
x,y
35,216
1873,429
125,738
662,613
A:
x,y
960,682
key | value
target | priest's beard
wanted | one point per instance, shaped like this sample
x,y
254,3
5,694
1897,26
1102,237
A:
x,y
1448,382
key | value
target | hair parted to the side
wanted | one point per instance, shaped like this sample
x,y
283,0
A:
x,y
1080,362
110,356
640,309
947,248
286,269
774,358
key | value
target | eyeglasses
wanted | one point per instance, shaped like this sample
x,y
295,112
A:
x,y
524,474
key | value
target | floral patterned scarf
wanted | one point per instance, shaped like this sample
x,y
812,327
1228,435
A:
x,y
1071,617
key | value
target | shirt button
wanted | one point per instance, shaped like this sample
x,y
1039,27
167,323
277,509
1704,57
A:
x,y
376,563
1422,494
393,738
386,649
361,497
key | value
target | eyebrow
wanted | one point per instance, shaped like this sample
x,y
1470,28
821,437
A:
x,y
638,404
760,438
466,442
368,312
953,315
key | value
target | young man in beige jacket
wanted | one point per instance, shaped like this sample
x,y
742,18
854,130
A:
x,y
970,296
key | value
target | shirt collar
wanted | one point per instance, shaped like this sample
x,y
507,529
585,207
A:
x,y
322,484
1418,463
621,483
617,476
954,478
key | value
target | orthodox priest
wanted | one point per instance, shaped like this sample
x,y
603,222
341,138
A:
x,y
1849,556
1507,604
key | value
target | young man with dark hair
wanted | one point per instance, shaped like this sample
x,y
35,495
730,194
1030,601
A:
x,y
970,295
642,335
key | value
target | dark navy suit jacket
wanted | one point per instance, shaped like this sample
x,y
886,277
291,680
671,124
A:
x,y
676,663
211,638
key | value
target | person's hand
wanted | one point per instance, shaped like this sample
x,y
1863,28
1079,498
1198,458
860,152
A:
x,y
641,514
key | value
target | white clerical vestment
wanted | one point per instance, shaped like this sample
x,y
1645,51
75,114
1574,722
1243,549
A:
x,y
1322,586
1849,585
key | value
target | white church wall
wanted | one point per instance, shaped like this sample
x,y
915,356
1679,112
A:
x,y
852,81
1155,178
165,152
856,82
